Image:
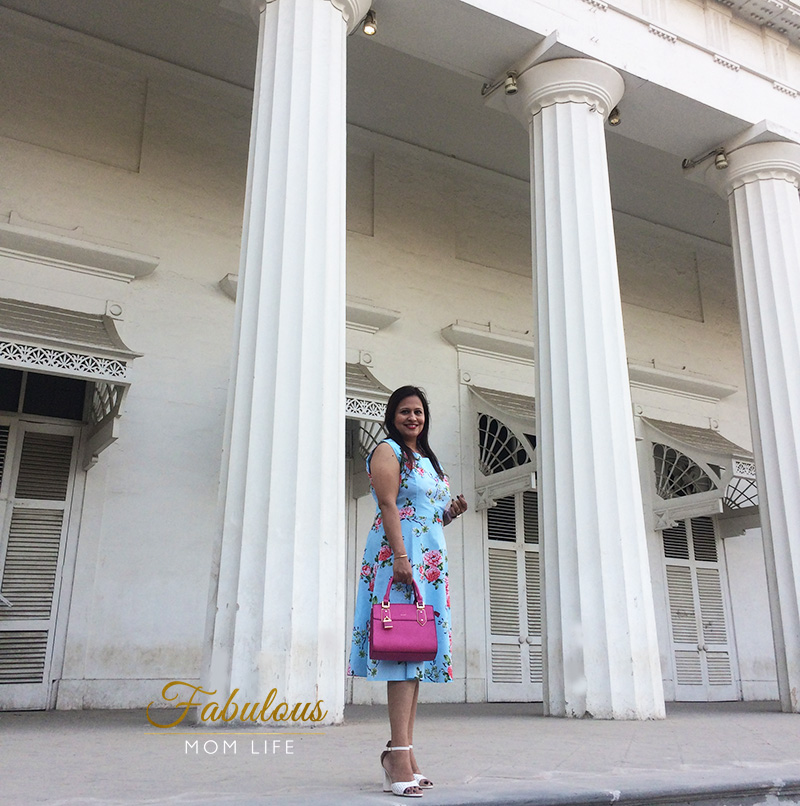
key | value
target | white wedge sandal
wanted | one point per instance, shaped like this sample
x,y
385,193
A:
x,y
399,787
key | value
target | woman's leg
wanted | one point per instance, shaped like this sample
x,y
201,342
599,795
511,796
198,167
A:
x,y
402,697
411,720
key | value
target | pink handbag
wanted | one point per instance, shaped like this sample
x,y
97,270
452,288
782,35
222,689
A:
x,y
399,631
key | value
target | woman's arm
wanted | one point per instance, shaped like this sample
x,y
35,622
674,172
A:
x,y
385,474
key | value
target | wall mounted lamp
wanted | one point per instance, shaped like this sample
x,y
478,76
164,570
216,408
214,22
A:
x,y
719,154
510,84
613,117
370,26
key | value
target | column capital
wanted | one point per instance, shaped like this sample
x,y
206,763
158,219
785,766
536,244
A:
x,y
582,81
754,162
353,11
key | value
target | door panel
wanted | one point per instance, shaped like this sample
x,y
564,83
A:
x,y
515,610
703,660
37,481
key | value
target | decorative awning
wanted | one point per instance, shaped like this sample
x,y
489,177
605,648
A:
x,y
508,405
705,440
58,341
698,472
506,427
366,396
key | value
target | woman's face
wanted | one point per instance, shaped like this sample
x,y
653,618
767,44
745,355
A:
x,y
409,418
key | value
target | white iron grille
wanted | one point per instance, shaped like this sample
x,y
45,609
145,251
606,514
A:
x,y
677,475
363,409
498,448
740,493
28,356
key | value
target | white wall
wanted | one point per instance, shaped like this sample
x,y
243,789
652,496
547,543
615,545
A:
x,y
106,147
435,239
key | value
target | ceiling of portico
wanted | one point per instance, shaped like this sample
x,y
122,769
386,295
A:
x,y
420,81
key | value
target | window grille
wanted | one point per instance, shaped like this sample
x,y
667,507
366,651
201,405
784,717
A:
x,y
677,475
741,493
105,400
499,449
370,433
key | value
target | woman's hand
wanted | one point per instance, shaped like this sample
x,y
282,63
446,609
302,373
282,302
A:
x,y
457,507
402,570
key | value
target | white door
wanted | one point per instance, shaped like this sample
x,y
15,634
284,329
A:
x,y
514,604
704,666
36,477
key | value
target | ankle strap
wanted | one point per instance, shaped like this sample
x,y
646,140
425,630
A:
x,y
400,748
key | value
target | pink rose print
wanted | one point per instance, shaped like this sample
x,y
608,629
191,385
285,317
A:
x,y
447,589
384,554
432,557
366,570
450,672
406,512
432,574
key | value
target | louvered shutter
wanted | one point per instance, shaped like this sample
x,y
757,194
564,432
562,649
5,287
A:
x,y
703,663
504,605
4,431
31,554
514,606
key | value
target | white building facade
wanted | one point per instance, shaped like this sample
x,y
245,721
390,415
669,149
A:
x,y
575,224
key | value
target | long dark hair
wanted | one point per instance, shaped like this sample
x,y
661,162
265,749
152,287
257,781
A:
x,y
422,440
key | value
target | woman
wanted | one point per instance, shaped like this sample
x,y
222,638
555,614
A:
x,y
406,542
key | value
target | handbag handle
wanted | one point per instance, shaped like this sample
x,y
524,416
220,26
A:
x,y
417,594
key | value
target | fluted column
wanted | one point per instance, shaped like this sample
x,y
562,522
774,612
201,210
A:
x,y
761,185
601,648
277,612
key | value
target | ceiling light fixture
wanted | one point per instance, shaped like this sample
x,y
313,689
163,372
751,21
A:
x,y
370,26
613,117
721,160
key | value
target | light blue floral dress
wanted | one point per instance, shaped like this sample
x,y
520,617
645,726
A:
x,y
422,499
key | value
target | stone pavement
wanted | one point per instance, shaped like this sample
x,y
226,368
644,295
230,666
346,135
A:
x,y
710,754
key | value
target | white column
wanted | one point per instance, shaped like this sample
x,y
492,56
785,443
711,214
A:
x,y
601,648
277,611
761,184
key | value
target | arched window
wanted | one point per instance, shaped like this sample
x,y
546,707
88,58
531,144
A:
x,y
498,448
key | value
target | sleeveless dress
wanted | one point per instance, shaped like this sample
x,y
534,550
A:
x,y
421,501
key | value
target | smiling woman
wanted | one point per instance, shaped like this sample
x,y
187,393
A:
x,y
405,548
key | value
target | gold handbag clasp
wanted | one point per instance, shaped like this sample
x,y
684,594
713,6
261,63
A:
x,y
387,616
